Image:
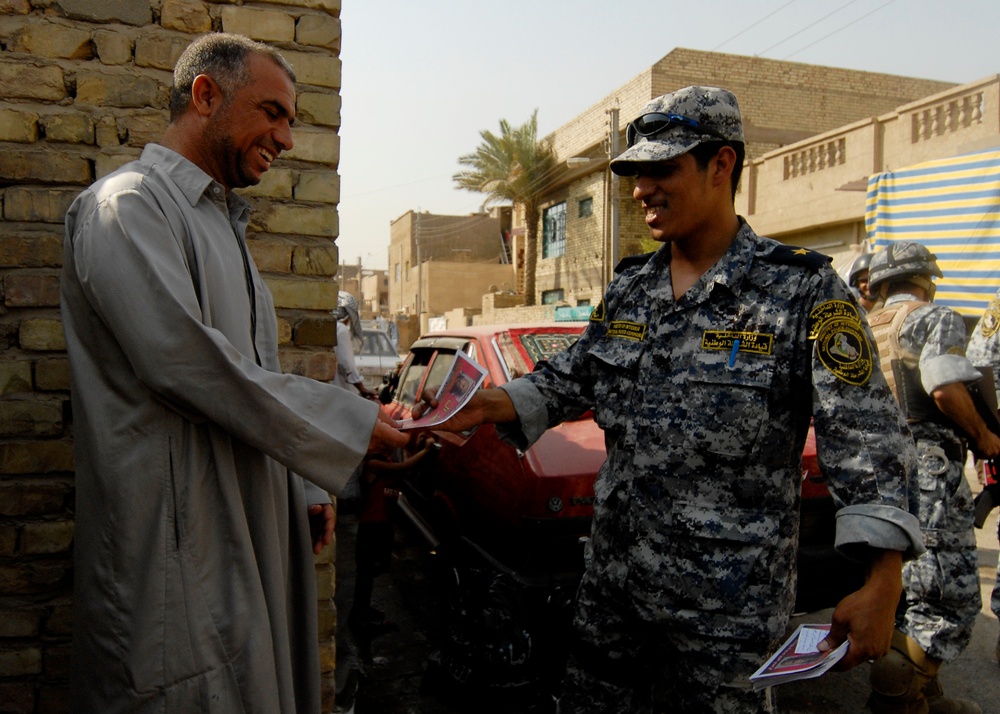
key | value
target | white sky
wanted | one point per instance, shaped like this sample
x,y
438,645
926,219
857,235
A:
x,y
422,79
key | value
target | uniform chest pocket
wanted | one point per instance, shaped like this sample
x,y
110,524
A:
x,y
726,402
615,362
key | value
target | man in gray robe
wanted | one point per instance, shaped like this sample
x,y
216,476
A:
x,y
195,588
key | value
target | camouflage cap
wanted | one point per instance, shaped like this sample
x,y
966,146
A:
x,y
702,114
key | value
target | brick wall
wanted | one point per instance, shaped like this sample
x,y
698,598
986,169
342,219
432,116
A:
x,y
84,84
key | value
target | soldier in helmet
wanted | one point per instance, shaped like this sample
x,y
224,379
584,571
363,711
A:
x,y
858,280
703,365
922,353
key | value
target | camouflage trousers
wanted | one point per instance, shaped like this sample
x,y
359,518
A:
x,y
942,585
623,664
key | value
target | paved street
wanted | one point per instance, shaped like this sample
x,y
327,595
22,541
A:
x,y
397,661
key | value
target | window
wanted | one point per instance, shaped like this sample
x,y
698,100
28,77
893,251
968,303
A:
x,y
554,231
398,271
551,297
583,303
585,207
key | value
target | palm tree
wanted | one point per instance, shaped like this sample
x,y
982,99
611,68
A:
x,y
514,166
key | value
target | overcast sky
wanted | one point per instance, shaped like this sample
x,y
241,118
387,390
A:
x,y
422,79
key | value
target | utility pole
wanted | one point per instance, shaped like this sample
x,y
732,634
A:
x,y
420,279
614,148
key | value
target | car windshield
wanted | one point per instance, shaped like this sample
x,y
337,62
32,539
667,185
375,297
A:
x,y
377,344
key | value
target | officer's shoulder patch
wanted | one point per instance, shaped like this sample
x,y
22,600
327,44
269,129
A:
x,y
793,255
599,313
632,261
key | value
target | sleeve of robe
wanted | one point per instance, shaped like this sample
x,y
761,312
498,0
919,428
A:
x,y
135,273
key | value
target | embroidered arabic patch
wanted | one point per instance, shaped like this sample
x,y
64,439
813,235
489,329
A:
x,y
628,330
841,342
757,343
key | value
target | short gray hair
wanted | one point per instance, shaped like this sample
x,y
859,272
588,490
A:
x,y
223,57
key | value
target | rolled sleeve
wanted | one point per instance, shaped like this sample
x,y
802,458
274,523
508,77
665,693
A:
x,y
865,526
532,414
946,369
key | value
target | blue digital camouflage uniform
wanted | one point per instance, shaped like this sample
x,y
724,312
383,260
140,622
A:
x,y
984,351
942,586
705,402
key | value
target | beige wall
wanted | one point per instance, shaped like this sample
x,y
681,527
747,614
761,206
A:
x,y
83,86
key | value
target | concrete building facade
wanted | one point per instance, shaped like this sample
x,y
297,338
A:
x,y
83,86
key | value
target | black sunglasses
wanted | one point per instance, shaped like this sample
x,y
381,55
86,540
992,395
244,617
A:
x,y
656,123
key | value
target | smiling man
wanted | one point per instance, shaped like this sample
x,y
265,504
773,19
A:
x,y
194,581
703,364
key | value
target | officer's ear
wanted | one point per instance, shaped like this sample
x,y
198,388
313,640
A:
x,y
723,164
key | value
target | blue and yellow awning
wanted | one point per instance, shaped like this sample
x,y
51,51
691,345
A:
x,y
952,206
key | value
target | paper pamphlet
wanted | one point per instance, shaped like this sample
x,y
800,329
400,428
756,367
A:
x,y
457,388
798,658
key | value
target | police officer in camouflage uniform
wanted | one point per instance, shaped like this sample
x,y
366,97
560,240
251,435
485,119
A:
x,y
703,364
984,351
858,280
922,352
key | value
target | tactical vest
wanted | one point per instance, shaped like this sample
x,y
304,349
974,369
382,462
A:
x,y
886,324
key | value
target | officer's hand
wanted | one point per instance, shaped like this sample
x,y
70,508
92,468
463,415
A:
x,y
867,617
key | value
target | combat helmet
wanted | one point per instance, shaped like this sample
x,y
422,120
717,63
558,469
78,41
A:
x,y
860,265
902,261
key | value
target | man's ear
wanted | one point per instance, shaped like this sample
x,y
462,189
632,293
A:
x,y
725,162
206,95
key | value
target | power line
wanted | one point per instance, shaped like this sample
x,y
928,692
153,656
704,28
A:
x,y
797,32
844,27
750,27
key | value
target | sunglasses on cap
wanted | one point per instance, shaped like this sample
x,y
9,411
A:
x,y
656,123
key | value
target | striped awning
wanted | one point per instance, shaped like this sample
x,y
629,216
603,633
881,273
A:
x,y
951,206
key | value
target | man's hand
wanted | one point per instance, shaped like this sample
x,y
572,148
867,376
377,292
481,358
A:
x,y
867,617
321,522
386,436
487,406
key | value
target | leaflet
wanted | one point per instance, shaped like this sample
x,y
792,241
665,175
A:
x,y
464,377
798,658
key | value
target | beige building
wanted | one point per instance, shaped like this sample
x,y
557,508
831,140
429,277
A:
x,y
439,263
782,103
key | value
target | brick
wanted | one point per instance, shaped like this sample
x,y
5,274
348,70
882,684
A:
x,y
109,163
14,7
21,622
284,331
126,90
42,334
17,126
69,128
60,621
318,69
324,584
316,260
128,13
54,697
44,166
315,332
318,109
302,294
52,375
49,39
327,622
28,290
276,183
271,256
20,662
318,31
318,146
327,659
263,25
8,546
31,250
321,366
108,135
15,376
31,416
20,498
18,697
113,48
141,129
47,537
159,52
297,219
185,16
55,661
32,577
37,204
26,81
36,457
321,186
330,6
